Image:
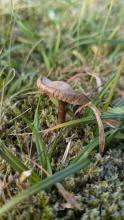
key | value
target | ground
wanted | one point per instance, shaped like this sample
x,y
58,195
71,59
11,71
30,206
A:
x,y
80,42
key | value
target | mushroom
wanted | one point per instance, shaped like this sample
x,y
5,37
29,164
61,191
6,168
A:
x,y
63,92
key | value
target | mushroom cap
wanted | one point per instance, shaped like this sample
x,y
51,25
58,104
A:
x,y
62,91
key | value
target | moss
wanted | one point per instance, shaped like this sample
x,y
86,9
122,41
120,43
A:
x,y
35,208
65,45
98,189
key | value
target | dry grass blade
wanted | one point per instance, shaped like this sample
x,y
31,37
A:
x,y
87,71
66,151
25,174
46,131
70,199
12,78
100,125
111,122
101,128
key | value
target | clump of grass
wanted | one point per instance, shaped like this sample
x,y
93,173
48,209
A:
x,y
41,38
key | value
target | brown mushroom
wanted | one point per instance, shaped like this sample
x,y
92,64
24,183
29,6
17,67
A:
x,y
63,92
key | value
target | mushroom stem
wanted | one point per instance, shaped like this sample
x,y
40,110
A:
x,y
61,111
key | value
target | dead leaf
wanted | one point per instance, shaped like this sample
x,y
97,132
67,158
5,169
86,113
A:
x,y
70,199
100,125
25,175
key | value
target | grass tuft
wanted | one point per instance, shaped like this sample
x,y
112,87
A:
x,y
81,42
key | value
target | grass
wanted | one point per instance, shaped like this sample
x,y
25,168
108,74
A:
x,y
58,39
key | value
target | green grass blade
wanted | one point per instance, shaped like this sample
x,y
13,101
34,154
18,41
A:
x,y
45,58
119,103
25,30
40,145
45,184
105,88
116,113
94,144
58,40
9,50
113,87
14,162
112,113
17,84
55,143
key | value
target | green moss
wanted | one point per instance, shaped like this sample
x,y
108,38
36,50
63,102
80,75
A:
x,y
99,189
36,207
43,39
